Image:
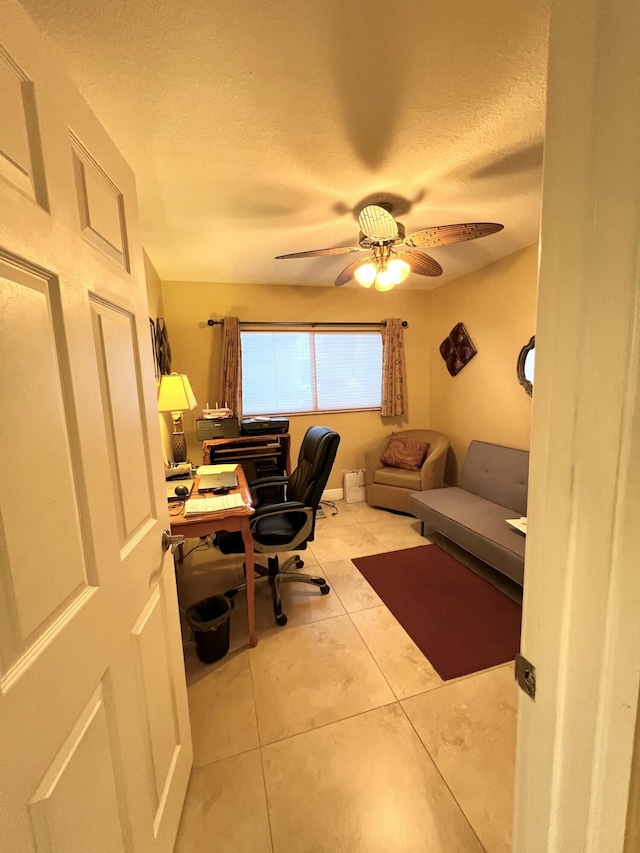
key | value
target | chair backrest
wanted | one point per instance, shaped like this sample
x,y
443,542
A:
x,y
315,460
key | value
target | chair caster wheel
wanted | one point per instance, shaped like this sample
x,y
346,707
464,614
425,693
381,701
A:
x,y
281,619
299,563
325,590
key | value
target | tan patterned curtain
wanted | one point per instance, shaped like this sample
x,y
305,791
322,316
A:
x,y
394,385
231,384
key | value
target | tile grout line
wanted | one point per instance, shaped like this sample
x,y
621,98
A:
x,y
457,680
330,723
424,746
382,604
395,701
333,589
264,746
266,801
444,781
304,731
372,655
264,778
421,692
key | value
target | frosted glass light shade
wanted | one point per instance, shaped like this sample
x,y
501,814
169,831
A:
x,y
398,270
384,281
366,274
175,394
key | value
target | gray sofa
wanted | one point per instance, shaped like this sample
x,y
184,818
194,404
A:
x,y
493,487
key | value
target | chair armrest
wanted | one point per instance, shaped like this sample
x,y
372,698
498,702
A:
x,y
372,459
432,472
276,509
268,481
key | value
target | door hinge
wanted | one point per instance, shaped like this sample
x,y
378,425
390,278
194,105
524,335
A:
x,y
525,674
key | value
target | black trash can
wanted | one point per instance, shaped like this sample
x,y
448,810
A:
x,y
210,620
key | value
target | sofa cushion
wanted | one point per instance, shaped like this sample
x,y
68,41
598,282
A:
x,y
476,524
496,473
398,477
405,452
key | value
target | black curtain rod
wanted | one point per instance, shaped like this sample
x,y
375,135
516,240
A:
x,y
306,325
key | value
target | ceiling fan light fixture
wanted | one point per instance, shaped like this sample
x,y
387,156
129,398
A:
x,y
365,274
380,233
398,270
384,281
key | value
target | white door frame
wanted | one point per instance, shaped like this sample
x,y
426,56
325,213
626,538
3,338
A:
x,y
581,625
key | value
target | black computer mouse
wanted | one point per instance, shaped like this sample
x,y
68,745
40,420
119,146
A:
x,y
223,490
182,491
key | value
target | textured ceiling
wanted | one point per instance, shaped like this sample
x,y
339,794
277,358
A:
x,y
257,129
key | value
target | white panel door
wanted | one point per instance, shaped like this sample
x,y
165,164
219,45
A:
x,y
581,629
94,735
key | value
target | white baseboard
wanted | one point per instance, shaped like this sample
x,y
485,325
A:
x,y
333,495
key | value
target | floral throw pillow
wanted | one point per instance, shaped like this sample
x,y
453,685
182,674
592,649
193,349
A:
x,y
403,452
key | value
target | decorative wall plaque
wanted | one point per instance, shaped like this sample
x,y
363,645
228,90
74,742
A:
x,y
457,349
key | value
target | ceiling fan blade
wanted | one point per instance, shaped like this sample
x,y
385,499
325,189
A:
x,y
314,253
421,263
377,223
445,235
347,273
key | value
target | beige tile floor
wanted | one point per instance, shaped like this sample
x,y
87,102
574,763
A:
x,y
335,733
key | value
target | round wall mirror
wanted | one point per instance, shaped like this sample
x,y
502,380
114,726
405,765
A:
x,y
526,365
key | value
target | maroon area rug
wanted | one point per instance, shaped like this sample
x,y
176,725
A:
x,y
459,621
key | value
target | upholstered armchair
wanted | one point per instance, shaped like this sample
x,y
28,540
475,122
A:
x,y
389,485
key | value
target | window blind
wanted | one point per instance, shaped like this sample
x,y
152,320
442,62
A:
x,y
298,372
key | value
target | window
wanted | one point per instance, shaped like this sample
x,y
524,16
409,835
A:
x,y
296,372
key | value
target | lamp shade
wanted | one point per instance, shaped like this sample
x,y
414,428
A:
x,y
365,274
384,281
175,394
398,269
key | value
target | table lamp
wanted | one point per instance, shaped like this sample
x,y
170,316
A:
x,y
175,396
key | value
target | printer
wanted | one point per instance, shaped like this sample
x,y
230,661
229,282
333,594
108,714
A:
x,y
264,426
208,428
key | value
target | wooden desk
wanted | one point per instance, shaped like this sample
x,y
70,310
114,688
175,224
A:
x,y
206,524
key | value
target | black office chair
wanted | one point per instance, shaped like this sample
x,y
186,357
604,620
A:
x,y
289,523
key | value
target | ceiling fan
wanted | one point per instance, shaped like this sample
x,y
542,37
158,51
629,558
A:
x,y
392,255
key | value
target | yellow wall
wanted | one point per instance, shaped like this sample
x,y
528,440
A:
x,y
196,350
154,288
156,309
497,305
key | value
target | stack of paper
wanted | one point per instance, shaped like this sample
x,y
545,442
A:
x,y
519,523
214,504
